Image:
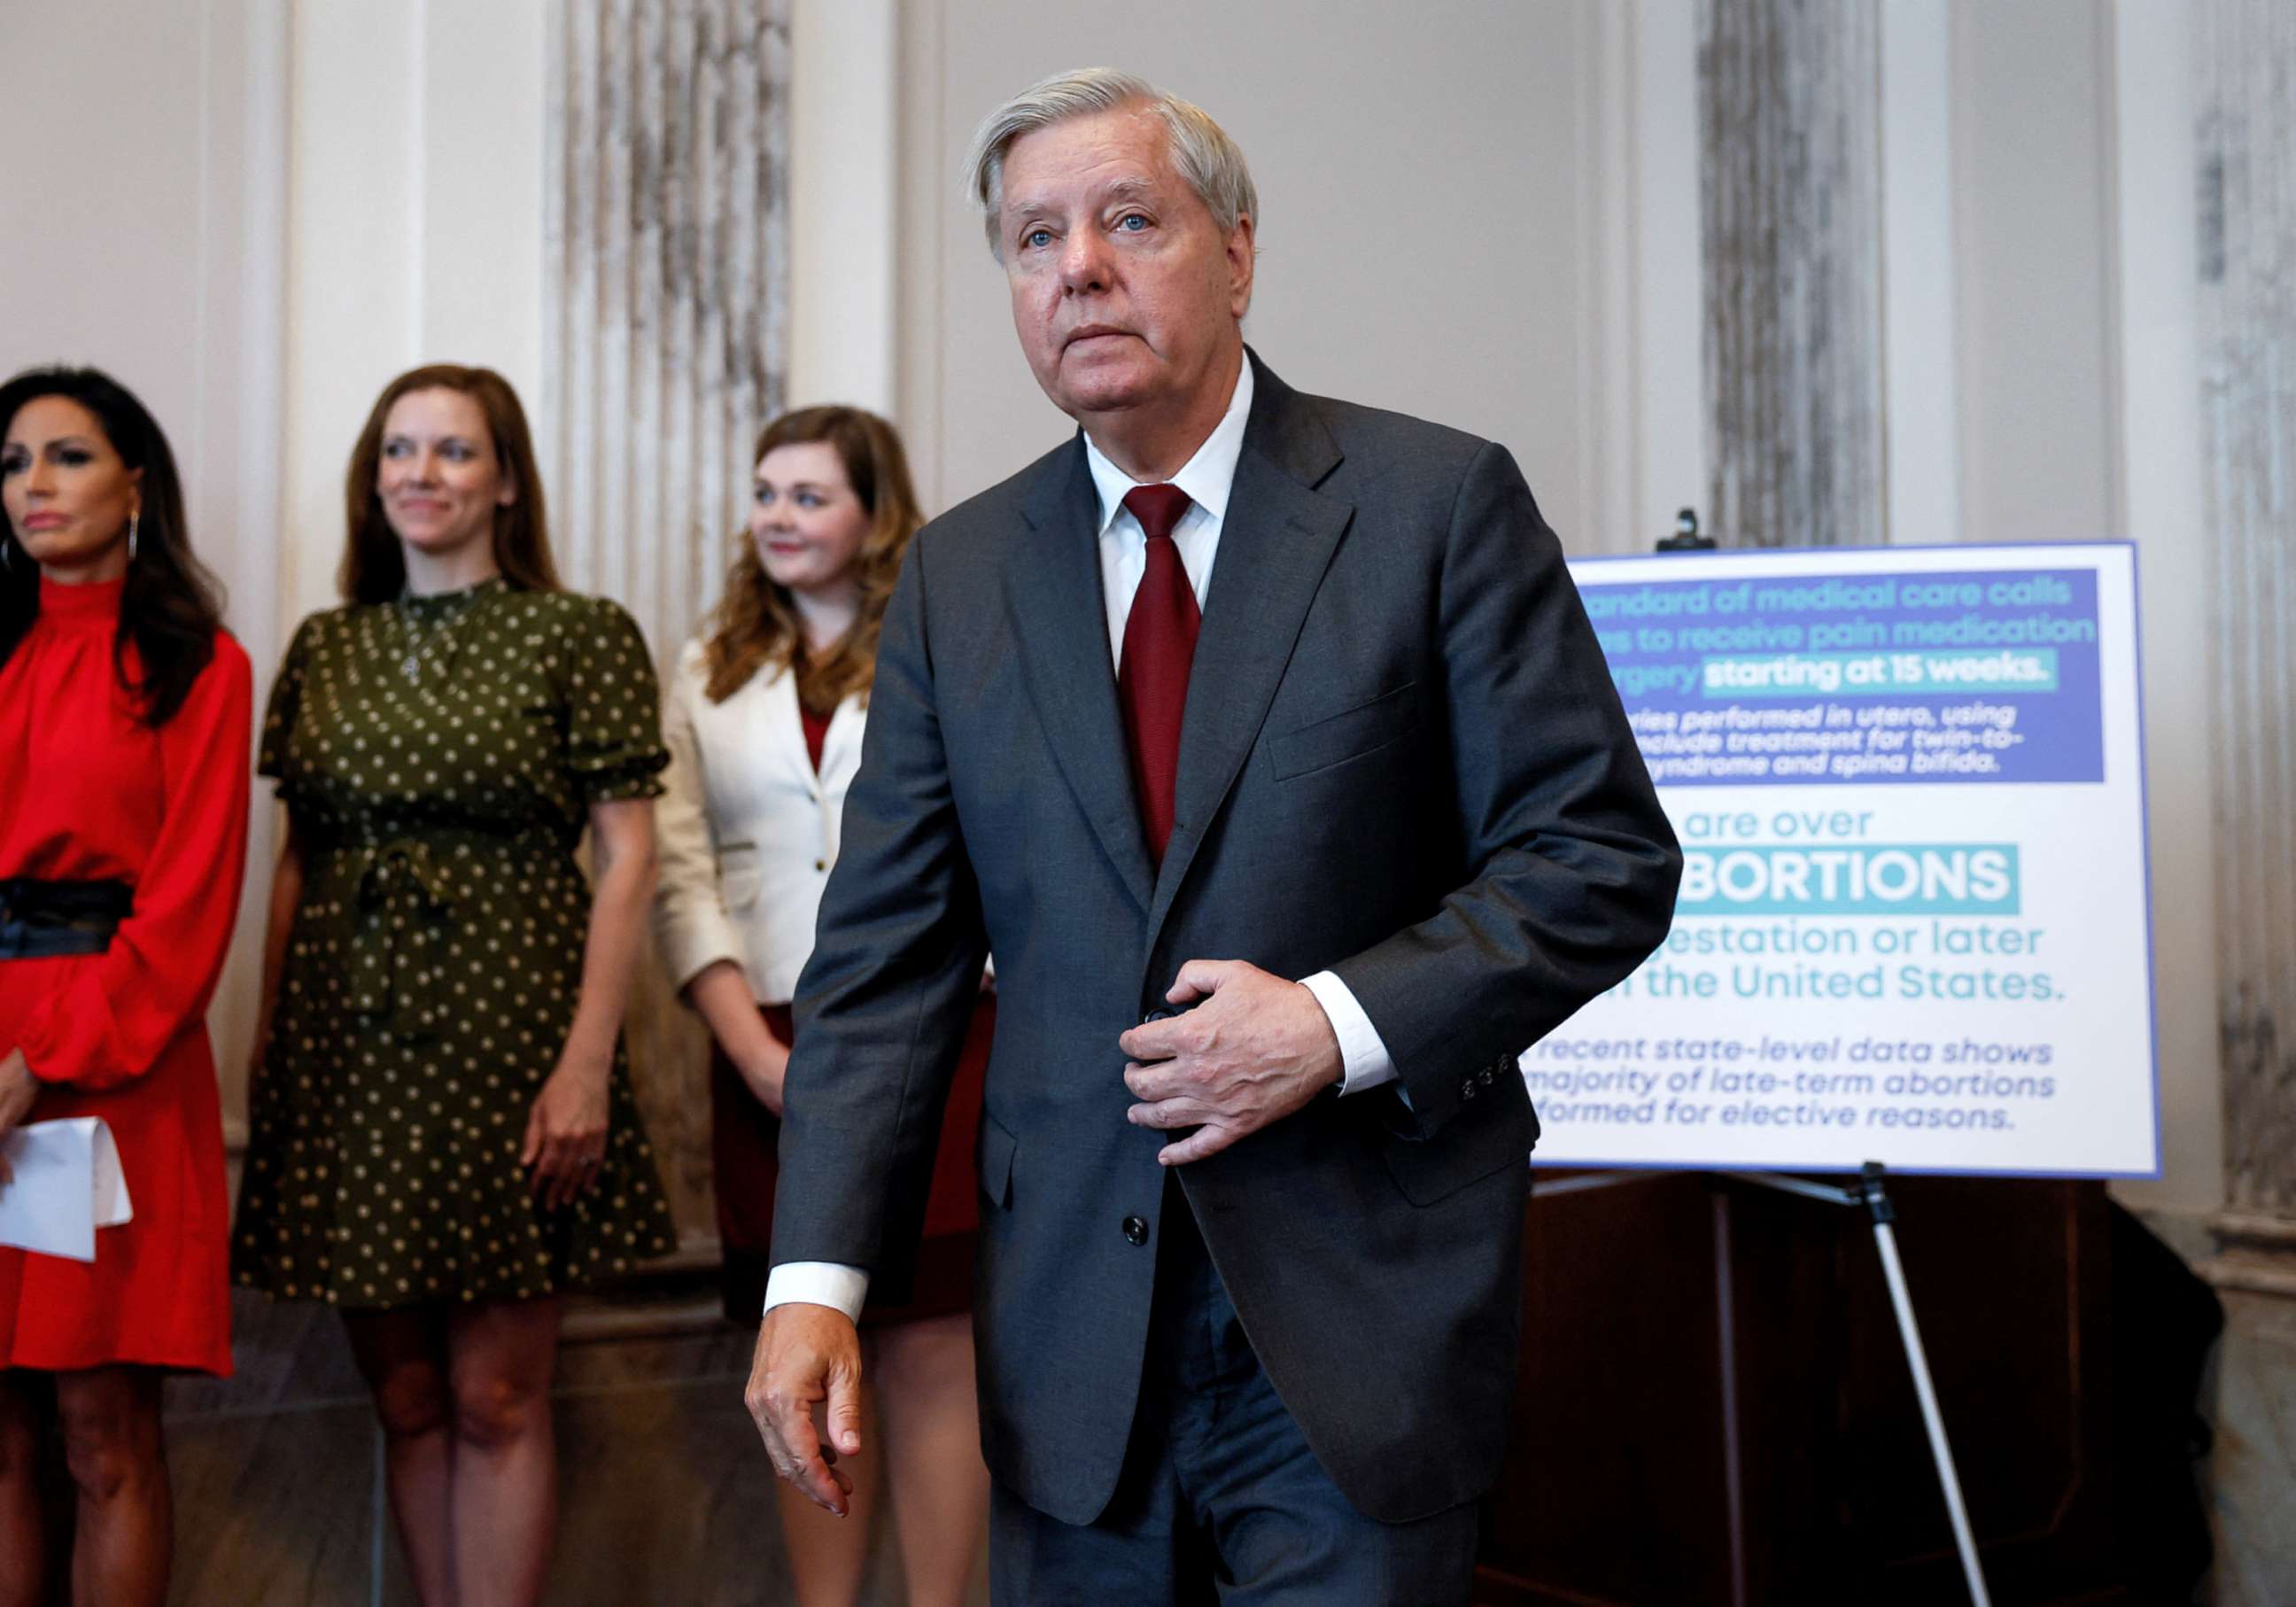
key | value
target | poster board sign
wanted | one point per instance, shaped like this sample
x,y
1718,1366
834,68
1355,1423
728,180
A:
x,y
1914,920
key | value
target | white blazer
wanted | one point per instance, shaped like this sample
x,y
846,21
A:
x,y
745,833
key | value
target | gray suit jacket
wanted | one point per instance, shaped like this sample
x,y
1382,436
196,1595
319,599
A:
x,y
1402,759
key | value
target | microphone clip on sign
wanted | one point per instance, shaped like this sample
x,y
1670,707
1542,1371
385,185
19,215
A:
x,y
1686,537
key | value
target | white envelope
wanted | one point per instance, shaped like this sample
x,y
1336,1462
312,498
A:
x,y
65,1183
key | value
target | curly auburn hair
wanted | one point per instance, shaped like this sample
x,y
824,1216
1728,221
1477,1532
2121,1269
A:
x,y
756,626
373,569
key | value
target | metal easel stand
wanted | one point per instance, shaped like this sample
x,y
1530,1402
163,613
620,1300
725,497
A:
x,y
1869,1193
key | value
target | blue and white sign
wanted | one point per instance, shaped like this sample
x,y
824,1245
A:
x,y
1913,919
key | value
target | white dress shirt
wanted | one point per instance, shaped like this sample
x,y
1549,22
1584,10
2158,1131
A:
x,y
1207,478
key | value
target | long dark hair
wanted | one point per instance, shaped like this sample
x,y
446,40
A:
x,y
756,623
375,565
171,606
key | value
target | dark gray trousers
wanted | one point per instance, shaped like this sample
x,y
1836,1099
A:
x,y
1220,1499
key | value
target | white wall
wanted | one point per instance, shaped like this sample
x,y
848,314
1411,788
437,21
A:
x,y
1428,179
1649,174
148,240
2153,346
2078,404
844,190
2033,177
1920,301
417,233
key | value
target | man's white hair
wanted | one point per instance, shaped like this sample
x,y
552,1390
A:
x,y
1208,161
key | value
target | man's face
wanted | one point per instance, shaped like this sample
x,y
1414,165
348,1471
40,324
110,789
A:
x,y
1125,293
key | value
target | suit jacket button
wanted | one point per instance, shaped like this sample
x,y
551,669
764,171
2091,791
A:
x,y
1135,1229
1156,1015
1467,1088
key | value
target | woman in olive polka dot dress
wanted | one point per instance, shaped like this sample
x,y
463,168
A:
x,y
443,1136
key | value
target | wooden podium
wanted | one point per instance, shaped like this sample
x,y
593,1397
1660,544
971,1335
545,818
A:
x,y
1715,1408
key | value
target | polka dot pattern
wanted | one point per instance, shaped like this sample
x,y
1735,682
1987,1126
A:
x,y
436,954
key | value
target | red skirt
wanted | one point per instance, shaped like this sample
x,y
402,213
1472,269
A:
x,y
157,1294
745,1153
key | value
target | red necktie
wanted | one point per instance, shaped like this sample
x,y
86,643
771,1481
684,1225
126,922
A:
x,y
1152,676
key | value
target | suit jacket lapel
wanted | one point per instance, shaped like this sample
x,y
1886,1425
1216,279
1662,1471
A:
x,y
1274,544
1060,615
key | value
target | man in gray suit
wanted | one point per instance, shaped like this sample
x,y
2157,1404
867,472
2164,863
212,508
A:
x,y
1263,739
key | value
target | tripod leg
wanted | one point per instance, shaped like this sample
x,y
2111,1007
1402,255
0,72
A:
x,y
1885,1237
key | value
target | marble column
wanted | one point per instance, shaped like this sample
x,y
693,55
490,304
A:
x,y
2246,61
665,351
1788,104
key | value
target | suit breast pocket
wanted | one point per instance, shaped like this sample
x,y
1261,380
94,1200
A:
x,y
1369,726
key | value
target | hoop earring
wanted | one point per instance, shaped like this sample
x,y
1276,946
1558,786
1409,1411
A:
x,y
133,519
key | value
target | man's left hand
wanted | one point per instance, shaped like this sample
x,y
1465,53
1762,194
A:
x,y
1257,1049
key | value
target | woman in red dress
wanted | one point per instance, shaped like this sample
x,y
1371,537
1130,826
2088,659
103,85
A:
x,y
763,719
124,712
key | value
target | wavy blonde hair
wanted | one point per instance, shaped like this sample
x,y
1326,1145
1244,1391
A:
x,y
757,627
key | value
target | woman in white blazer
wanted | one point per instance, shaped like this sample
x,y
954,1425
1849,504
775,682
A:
x,y
763,722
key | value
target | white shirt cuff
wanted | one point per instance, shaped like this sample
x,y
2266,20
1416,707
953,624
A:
x,y
1364,1061
830,1283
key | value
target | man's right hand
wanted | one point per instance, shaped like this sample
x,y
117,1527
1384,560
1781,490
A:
x,y
808,1356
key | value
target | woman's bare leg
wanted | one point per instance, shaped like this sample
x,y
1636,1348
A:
x,y
501,1355
829,1555
126,1530
23,1524
402,1354
929,1405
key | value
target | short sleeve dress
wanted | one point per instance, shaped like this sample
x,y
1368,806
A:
x,y
438,756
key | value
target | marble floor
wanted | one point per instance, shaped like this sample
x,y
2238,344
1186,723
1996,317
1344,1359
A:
x,y
2252,1469
664,1490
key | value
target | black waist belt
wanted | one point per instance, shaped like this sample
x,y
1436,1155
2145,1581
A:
x,y
41,920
